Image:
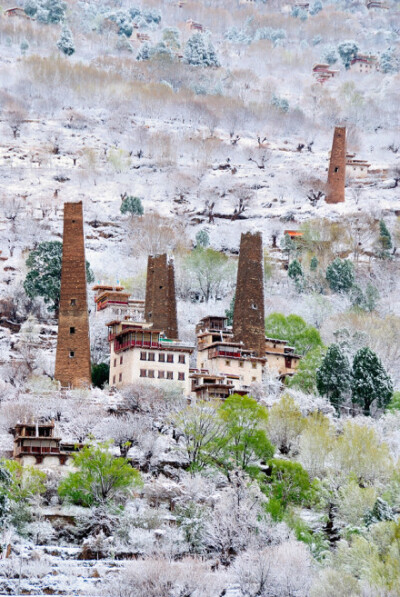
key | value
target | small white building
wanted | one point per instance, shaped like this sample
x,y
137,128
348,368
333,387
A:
x,y
140,353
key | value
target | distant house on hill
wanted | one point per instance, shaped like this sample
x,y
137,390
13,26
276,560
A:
x,y
379,5
323,72
142,37
16,12
357,168
365,63
194,26
38,443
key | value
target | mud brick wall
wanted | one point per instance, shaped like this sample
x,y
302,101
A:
x,y
73,343
248,315
160,304
337,167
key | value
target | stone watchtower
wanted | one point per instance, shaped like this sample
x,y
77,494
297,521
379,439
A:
x,y
160,304
337,167
73,344
248,315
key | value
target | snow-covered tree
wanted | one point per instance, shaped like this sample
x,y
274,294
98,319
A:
x,y
334,376
347,51
330,55
132,205
199,51
388,62
369,381
66,42
340,275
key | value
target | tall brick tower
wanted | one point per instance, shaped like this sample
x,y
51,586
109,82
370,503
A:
x,y
337,167
248,315
160,305
73,344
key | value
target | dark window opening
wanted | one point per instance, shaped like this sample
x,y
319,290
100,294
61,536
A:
x,y
72,330
337,169
73,302
72,354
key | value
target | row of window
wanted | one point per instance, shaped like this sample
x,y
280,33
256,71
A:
x,y
150,356
161,374
241,364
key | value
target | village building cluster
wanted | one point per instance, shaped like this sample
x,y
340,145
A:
x,y
144,337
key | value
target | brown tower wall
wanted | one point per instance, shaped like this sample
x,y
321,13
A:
x,y
73,343
248,315
337,167
160,305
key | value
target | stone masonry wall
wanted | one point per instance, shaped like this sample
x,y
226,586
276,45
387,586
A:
x,y
248,315
73,343
160,305
337,167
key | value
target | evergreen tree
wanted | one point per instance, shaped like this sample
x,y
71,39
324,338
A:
x,y
229,312
334,376
366,301
315,8
295,271
369,381
340,275
347,52
44,277
132,205
200,52
55,9
66,42
145,52
330,56
314,264
31,7
202,239
388,62
288,246
100,374
385,241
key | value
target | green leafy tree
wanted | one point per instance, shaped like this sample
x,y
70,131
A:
x,y
287,483
44,277
305,378
394,403
199,51
100,478
347,51
211,269
340,275
18,487
200,428
132,205
66,42
244,441
295,330
100,374
334,376
370,383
